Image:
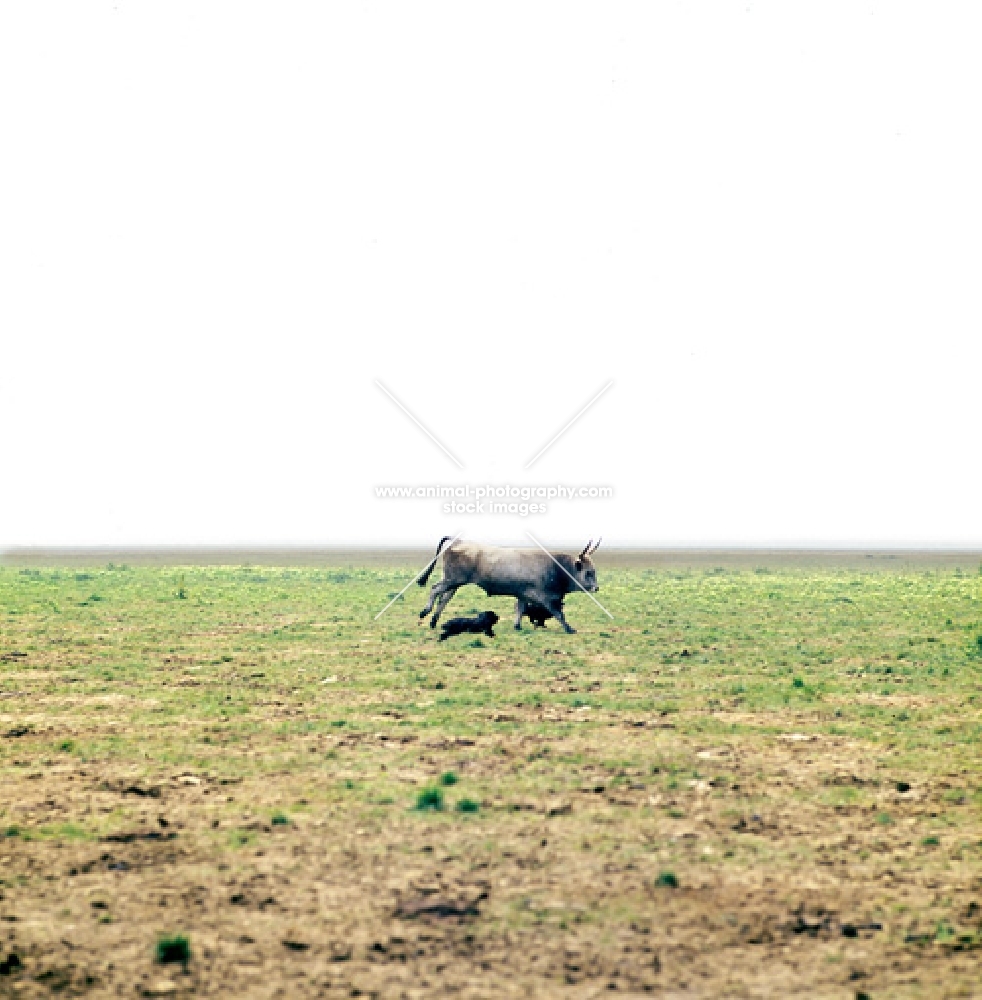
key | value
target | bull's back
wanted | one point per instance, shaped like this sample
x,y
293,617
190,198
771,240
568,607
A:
x,y
498,571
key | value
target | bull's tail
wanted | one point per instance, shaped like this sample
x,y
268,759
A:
x,y
429,569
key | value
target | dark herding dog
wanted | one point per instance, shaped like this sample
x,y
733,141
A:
x,y
537,614
484,622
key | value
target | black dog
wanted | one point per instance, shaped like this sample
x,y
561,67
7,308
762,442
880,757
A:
x,y
537,614
484,622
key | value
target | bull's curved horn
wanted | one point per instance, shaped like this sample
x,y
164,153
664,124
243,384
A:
x,y
586,549
597,546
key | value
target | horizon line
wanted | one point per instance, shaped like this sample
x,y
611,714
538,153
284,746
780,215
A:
x,y
234,553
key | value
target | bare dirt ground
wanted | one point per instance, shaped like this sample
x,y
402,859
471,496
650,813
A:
x,y
515,905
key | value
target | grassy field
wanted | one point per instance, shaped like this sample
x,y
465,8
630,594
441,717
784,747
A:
x,y
752,782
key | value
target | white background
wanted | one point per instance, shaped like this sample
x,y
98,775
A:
x,y
219,223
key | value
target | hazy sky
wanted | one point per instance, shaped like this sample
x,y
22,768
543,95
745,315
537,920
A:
x,y
221,223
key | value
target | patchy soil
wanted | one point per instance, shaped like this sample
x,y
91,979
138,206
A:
x,y
532,895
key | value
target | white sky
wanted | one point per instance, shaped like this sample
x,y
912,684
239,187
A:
x,y
220,223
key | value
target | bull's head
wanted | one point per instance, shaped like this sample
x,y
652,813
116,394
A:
x,y
586,575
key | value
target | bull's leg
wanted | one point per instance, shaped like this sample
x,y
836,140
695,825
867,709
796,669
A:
x,y
519,612
556,607
438,588
445,599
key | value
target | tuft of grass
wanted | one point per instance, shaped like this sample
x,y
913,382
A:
x,y
64,831
667,880
930,842
240,838
280,818
172,948
429,798
448,778
467,806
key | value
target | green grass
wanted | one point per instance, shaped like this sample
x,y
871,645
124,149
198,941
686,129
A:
x,y
173,948
724,722
870,656
429,798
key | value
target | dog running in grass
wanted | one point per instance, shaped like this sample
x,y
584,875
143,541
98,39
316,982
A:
x,y
484,622
537,614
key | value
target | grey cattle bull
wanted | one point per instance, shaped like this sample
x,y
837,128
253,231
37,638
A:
x,y
531,576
